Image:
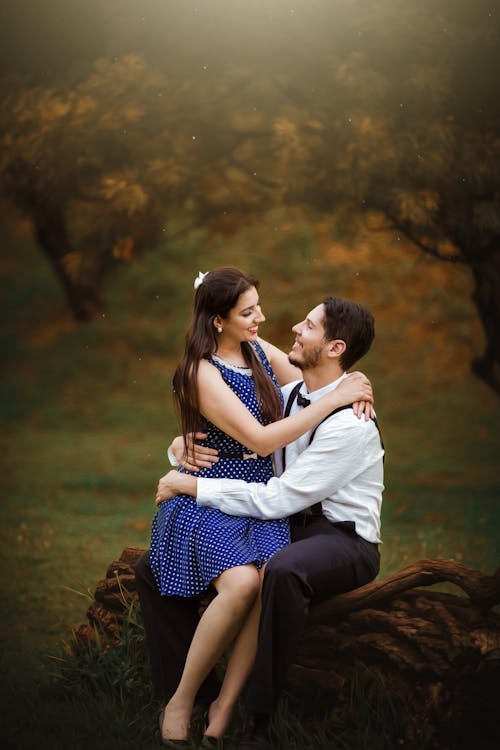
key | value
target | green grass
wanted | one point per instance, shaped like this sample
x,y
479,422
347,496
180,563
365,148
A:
x,y
87,416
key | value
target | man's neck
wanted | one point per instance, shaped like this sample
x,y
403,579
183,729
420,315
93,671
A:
x,y
319,377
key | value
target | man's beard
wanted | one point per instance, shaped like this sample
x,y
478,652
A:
x,y
309,360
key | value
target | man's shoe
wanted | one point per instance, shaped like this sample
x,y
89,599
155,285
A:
x,y
256,733
254,742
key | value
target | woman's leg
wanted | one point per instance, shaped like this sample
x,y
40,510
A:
x,y
237,589
238,670
169,623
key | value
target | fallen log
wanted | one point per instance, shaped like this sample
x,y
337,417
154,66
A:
x,y
433,655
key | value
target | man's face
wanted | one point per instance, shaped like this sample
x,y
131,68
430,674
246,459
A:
x,y
310,345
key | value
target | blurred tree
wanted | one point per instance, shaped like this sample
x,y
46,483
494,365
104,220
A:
x,y
444,194
415,134
382,109
101,165
74,159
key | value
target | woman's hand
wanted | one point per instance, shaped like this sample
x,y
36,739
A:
x,y
166,489
356,389
365,408
191,455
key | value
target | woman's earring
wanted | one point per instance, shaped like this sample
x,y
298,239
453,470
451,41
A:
x,y
219,329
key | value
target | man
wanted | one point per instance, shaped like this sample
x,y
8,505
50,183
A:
x,y
331,489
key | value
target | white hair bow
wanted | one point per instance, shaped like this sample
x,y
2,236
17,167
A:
x,y
199,279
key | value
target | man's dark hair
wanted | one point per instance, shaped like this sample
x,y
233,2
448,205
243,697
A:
x,y
352,323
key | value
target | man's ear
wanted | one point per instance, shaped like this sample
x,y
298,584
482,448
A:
x,y
336,348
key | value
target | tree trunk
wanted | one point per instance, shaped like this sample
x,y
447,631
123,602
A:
x,y
487,300
483,259
51,233
428,660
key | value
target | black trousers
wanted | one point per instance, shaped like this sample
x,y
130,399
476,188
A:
x,y
324,559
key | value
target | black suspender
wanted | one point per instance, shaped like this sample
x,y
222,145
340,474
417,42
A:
x,y
288,407
291,399
316,509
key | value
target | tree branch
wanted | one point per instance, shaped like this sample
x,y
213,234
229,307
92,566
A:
x,y
482,590
405,227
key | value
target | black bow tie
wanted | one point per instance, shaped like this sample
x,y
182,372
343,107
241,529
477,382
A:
x,y
302,400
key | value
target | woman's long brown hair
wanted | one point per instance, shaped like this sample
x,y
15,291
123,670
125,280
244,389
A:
x,y
217,296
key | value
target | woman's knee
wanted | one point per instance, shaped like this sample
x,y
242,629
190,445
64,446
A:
x,y
242,582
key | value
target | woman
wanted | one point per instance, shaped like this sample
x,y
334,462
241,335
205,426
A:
x,y
225,384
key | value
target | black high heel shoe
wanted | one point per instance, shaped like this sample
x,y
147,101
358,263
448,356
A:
x,y
211,742
166,742
207,741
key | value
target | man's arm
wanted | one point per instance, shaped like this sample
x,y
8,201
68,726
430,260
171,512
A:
x,y
337,454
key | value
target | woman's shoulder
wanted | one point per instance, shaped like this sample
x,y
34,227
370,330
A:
x,y
261,345
259,348
207,368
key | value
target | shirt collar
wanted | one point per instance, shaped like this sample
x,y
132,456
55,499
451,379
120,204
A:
x,y
315,395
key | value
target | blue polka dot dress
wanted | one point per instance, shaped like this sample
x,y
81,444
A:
x,y
191,545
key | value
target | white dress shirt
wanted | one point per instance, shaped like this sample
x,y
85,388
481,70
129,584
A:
x,y
342,469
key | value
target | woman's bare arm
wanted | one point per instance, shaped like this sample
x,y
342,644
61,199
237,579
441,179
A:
x,y
220,405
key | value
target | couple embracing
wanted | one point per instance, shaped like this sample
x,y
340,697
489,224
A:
x,y
271,534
